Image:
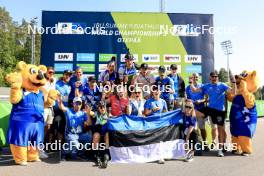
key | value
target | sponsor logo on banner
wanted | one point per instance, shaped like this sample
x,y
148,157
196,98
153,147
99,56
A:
x,y
193,59
122,57
150,58
86,57
106,57
59,67
193,69
168,68
172,58
63,56
71,28
87,67
102,67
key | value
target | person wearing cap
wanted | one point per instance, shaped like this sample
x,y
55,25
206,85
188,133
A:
x,y
127,70
77,81
216,106
64,89
76,120
99,130
90,93
144,80
109,75
179,86
166,86
136,102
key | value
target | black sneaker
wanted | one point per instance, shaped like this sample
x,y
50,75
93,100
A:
x,y
98,161
105,162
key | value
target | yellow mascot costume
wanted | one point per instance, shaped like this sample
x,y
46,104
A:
x,y
26,124
243,113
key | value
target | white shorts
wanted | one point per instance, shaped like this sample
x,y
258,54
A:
x,y
48,116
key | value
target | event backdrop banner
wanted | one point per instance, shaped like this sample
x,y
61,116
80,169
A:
x,y
90,39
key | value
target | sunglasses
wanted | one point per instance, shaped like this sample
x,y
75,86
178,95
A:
x,y
78,103
51,72
214,76
188,107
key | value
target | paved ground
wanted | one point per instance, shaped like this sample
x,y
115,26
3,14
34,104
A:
x,y
4,93
205,165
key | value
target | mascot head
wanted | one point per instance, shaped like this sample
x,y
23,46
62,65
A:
x,y
33,77
251,78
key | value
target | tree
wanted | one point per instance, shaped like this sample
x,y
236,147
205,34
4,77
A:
x,y
223,75
7,44
15,44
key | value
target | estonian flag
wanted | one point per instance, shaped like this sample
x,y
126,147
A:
x,y
136,139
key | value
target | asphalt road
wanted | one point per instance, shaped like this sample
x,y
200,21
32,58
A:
x,y
4,93
206,165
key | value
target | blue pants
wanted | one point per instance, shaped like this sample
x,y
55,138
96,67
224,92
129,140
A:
x,y
75,142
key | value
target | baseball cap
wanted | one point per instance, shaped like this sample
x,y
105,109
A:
x,y
144,66
91,78
129,57
162,69
173,66
214,73
77,99
68,72
101,104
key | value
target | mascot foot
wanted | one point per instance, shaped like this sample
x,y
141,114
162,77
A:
x,y
24,163
245,154
236,152
36,160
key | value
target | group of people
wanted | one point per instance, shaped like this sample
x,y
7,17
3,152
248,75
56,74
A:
x,y
84,104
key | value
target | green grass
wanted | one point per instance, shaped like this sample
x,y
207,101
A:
x,y
5,109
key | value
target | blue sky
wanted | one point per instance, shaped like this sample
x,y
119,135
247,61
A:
x,y
245,16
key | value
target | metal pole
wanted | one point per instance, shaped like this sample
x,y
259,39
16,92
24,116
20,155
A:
x,y
32,44
162,6
228,76
33,21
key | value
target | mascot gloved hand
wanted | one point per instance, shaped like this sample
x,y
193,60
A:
x,y
243,113
26,124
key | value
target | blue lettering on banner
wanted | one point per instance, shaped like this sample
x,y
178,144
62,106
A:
x,y
62,67
86,57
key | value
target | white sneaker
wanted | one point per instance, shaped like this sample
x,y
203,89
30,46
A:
x,y
220,153
189,158
161,161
